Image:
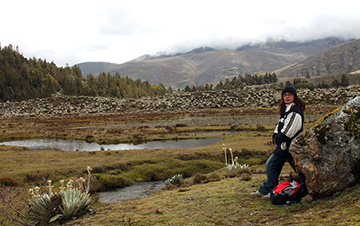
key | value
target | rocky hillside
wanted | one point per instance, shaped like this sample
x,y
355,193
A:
x,y
206,65
248,97
341,59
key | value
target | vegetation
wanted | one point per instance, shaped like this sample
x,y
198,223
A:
x,y
237,82
22,79
304,84
227,202
175,180
268,78
210,193
46,208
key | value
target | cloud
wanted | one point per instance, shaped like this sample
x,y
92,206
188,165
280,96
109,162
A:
x,y
70,32
118,22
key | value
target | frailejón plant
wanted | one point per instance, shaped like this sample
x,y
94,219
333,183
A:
x,y
175,180
71,201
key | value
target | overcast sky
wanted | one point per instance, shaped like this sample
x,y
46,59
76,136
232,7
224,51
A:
x,y
71,32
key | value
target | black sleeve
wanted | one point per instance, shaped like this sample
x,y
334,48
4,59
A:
x,y
273,138
279,138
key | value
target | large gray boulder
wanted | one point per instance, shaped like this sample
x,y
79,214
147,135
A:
x,y
328,153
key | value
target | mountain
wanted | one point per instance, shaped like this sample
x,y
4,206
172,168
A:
x,y
340,59
95,67
207,65
306,48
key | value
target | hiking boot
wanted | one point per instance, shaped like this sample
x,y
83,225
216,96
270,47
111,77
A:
x,y
256,194
266,197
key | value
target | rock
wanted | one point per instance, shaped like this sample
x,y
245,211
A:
x,y
60,105
328,153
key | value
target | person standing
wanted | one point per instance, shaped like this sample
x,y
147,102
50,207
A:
x,y
291,122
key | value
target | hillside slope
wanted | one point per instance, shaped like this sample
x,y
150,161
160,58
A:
x,y
94,67
206,65
343,58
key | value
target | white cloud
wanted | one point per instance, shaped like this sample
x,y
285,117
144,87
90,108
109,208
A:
x,y
118,31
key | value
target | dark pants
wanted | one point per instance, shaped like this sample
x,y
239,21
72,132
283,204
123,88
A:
x,y
274,166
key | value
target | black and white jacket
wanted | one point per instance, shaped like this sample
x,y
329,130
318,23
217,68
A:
x,y
289,126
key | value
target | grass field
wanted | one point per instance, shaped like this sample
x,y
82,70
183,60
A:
x,y
221,199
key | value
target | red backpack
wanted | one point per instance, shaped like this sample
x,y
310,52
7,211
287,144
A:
x,y
287,193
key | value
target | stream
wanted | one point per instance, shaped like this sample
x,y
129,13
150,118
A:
x,y
137,190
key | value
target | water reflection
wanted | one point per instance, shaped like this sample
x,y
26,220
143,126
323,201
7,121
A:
x,y
78,145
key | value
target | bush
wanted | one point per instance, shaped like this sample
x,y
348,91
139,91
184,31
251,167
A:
x,y
46,209
199,178
8,181
43,208
175,180
72,201
260,128
305,85
246,177
213,177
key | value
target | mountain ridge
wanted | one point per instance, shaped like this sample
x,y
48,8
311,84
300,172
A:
x,y
208,65
340,59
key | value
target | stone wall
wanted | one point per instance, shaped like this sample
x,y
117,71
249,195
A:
x,y
251,97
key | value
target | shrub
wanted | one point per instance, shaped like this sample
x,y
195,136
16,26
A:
x,y
305,85
246,177
213,177
180,125
175,180
72,201
8,181
199,178
260,128
43,208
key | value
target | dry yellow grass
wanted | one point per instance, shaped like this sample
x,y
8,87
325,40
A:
x,y
224,202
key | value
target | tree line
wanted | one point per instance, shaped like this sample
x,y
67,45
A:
x,y
268,78
22,79
237,82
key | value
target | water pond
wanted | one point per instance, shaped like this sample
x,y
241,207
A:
x,y
79,145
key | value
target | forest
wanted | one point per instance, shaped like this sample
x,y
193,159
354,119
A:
x,y
237,82
240,82
22,79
